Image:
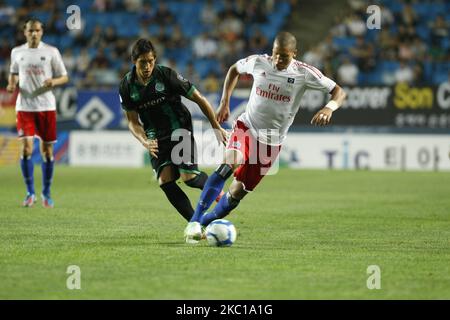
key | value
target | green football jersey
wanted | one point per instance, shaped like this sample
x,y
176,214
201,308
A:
x,y
158,103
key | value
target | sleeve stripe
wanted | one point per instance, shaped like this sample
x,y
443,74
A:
x,y
314,70
191,91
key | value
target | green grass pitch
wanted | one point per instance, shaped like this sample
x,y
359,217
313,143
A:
x,y
301,235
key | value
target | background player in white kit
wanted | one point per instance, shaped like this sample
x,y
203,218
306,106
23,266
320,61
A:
x,y
37,67
279,82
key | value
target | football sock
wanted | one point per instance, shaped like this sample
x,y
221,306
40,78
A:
x,y
178,199
198,182
212,189
27,166
47,167
223,208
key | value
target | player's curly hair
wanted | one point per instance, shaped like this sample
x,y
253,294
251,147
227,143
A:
x,y
142,46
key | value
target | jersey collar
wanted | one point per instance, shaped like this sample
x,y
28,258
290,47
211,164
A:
x,y
40,45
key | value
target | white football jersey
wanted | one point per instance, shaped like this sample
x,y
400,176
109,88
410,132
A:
x,y
275,96
34,66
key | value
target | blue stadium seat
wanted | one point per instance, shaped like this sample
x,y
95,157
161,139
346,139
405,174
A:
x,y
439,77
423,32
344,43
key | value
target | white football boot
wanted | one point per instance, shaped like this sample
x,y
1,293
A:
x,y
193,232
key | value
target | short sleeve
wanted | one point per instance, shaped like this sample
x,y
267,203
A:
x,y
177,83
58,67
14,68
124,95
315,80
246,65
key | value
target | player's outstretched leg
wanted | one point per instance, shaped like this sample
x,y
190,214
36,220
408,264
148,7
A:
x,y
212,189
27,166
47,167
199,182
222,209
178,199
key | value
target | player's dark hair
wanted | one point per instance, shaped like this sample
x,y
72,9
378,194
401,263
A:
x,y
286,39
142,46
32,21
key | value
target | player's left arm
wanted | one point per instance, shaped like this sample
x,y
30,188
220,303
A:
x,y
50,83
58,69
185,88
323,116
208,111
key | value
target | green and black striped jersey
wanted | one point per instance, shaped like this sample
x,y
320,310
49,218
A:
x,y
158,103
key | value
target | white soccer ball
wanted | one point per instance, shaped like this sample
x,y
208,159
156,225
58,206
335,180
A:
x,y
220,233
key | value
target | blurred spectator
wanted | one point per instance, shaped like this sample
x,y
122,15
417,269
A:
x,y
70,61
313,57
176,39
132,5
208,15
205,46
407,16
387,44
83,61
419,49
406,32
110,35
418,75
163,16
348,72
256,12
145,15
363,54
97,36
211,83
102,5
7,15
404,73
356,26
257,43
100,60
231,27
5,50
405,51
439,30
387,18
326,48
191,74
4,72
340,28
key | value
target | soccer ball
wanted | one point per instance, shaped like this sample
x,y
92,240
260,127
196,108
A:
x,y
220,233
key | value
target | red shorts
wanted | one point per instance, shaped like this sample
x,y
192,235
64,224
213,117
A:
x,y
257,157
41,124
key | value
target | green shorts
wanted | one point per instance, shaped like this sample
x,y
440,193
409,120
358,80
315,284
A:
x,y
180,154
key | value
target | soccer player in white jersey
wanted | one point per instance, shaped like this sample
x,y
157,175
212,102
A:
x,y
36,67
279,82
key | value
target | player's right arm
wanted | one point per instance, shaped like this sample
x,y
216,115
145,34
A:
x,y
136,129
134,124
245,65
230,83
12,82
13,77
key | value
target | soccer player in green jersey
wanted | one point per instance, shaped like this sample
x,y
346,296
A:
x,y
150,95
